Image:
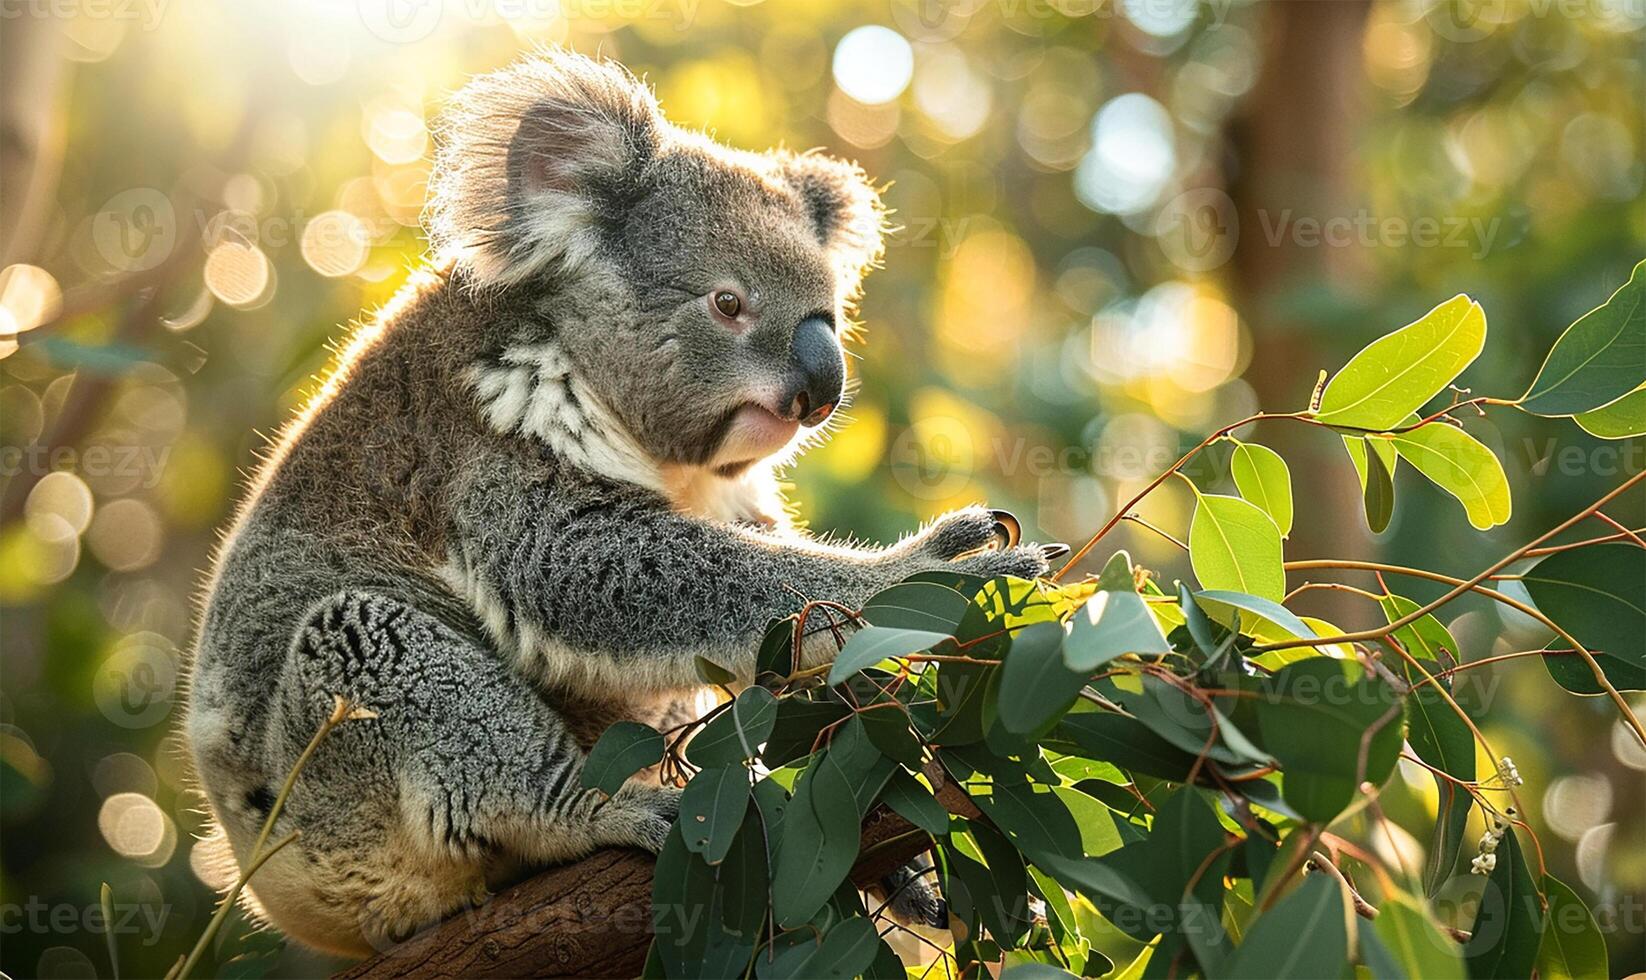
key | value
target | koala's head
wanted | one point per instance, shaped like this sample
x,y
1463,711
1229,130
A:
x,y
701,290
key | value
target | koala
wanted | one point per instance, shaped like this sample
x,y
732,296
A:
x,y
535,487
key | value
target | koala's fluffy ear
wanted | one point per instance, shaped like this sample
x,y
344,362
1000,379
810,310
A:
x,y
530,157
845,210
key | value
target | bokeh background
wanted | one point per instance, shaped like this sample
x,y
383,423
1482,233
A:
x,y
1122,223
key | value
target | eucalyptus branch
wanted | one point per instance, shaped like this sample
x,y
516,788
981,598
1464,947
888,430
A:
x,y
1473,585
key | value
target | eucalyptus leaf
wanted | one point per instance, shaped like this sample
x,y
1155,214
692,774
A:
x,y
1508,924
1398,373
1035,684
737,732
1598,359
621,751
914,803
1314,717
1622,419
1572,947
1413,941
1263,478
1304,937
1460,465
917,606
1117,575
711,810
872,644
1598,595
1270,620
1235,546
1109,625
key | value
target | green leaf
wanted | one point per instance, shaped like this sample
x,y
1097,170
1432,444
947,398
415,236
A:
x,y
1126,742
737,732
872,644
689,915
1438,735
1440,738
1185,722
712,673
1035,821
1179,850
846,951
1356,446
911,801
1622,419
1035,971
917,606
988,886
711,810
1235,546
1457,463
1599,359
1378,497
776,655
1117,574
1397,374
1303,936
1598,595
1573,947
1446,841
1413,942
821,836
1278,622
621,751
1110,625
1098,833
1508,925
1263,478
1314,716
1425,638
1035,685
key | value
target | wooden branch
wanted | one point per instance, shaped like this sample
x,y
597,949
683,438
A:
x,y
588,919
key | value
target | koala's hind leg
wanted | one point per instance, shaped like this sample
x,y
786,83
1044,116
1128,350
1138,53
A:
x,y
480,768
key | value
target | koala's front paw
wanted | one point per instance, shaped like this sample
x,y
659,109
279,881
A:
x,y
1024,561
980,542
648,812
961,532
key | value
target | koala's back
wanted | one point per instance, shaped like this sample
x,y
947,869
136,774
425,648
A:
x,y
349,502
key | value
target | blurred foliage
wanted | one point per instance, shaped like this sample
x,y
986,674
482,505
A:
x,y
1089,194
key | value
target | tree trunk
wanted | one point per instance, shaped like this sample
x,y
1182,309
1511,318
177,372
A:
x,y
589,919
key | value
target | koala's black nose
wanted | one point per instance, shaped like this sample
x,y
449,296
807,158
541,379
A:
x,y
818,380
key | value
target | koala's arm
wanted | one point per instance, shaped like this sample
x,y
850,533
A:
x,y
607,587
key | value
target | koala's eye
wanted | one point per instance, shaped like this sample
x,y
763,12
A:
x,y
727,303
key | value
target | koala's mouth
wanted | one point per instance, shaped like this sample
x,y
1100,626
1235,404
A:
x,y
752,431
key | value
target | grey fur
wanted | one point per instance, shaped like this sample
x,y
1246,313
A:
x,y
515,513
